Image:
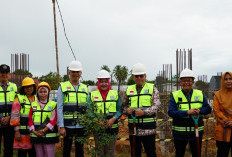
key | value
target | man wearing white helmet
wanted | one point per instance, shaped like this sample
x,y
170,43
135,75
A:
x,y
184,103
107,102
72,101
142,101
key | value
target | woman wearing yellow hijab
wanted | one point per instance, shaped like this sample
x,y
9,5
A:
x,y
222,106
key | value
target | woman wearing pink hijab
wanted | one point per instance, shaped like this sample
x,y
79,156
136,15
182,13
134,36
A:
x,y
107,102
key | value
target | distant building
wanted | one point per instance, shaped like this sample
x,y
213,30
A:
x,y
215,83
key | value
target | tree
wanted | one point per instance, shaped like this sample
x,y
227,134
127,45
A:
x,y
22,72
52,79
120,73
105,67
130,81
89,82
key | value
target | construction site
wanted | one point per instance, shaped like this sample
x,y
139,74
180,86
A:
x,y
114,36
167,80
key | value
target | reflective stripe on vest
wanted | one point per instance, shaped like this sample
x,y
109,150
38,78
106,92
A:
x,y
7,98
109,106
176,128
74,102
182,102
143,120
48,135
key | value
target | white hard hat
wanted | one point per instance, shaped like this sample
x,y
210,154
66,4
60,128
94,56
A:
x,y
75,66
187,73
103,74
138,69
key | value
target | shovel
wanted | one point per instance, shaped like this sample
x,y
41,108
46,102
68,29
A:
x,y
195,119
134,130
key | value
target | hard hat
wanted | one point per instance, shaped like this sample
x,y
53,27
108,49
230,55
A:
x,y
103,74
138,69
27,82
43,84
75,66
187,73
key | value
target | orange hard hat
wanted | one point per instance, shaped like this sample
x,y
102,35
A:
x,y
45,84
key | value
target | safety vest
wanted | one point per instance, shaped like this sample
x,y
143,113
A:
x,y
40,117
74,103
7,98
24,113
141,100
186,125
107,107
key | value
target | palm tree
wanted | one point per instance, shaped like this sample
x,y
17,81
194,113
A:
x,y
120,73
105,67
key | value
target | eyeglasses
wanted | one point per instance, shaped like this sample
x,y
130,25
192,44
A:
x,y
137,76
75,72
186,81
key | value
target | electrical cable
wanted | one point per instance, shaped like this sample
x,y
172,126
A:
x,y
65,29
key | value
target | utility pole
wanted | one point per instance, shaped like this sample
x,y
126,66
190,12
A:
x,y
57,58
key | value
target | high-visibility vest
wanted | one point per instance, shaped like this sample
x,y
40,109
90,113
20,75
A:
x,y
6,99
186,124
39,116
107,107
141,100
24,113
74,103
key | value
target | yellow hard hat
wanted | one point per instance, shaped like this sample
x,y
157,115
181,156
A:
x,y
45,84
27,82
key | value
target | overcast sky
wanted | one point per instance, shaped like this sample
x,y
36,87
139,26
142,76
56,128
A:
x,y
123,32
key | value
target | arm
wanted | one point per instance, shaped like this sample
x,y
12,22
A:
x,y
60,115
118,108
218,111
173,112
30,121
155,103
111,121
206,109
53,120
15,114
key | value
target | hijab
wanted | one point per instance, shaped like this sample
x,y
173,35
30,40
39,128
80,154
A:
x,y
104,93
224,95
42,101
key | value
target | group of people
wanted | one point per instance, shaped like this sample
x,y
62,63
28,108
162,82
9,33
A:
x,y
28,119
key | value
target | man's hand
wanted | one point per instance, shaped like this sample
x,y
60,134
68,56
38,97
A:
x,y
110,122
5,120
62,132
193,111
139,112
17,136
130,110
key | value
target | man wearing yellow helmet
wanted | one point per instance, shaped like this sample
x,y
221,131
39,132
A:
x,y
7,94
19,118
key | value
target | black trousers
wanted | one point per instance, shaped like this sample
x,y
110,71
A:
x,y
223,148
8,135
181,146
68,139
24,152
148,144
